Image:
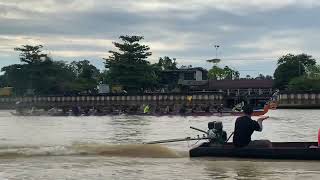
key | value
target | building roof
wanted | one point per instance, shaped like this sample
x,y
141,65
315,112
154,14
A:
x,y
187,69
240,84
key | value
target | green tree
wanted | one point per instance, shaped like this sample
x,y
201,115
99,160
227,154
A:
x,y
31,54
216,73
291,66
103,77
260,76
129,66
313,72
38,72
53,77
16,76
166,80
264,77
268,77
303,83
167,63
3,81
23,76
309,81
230,73
87,76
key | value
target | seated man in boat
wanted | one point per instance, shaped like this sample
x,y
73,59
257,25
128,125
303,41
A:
x,y
245,126
216,134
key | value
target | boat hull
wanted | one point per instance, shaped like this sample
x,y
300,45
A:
x,y
279,150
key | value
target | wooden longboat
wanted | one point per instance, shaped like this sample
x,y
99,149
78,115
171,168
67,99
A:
x,y
259,112
279,150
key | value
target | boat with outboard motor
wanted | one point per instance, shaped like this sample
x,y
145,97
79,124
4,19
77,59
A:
x,y
278,150
274,150
267,150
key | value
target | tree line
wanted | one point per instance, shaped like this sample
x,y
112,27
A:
x,y
298,73
39,73
129,67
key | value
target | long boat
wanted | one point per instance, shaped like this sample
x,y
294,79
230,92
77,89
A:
x,y
258,112
278,150
35,112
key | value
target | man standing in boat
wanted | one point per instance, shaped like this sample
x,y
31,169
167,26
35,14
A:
x,y
245,126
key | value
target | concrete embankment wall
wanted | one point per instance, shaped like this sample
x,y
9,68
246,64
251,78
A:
x,y
112,100
285,100
300,100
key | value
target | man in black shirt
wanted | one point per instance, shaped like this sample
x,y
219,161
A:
x,y
245,126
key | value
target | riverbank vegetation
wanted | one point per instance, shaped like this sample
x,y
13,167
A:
x,y
297,73
128,67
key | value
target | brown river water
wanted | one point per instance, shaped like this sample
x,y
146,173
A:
x,y
110,147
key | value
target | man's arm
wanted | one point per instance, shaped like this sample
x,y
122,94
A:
x,y
259,121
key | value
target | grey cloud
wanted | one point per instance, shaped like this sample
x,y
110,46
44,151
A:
x,y
195,28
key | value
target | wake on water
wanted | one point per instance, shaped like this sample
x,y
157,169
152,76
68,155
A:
x,y
123,150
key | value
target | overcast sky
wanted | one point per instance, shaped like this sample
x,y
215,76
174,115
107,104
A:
x,y
252,34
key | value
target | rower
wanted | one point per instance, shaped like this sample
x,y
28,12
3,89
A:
x,y
220,108
245,126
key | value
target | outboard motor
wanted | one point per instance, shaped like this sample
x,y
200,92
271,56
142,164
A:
x,y
216,133
218,125
211,125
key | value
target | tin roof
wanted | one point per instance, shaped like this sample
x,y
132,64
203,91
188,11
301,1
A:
x,y
187,69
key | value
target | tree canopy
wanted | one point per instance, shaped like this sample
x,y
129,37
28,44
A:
x,y
86,76
31,54
218,73
42,75
166,63
291,66
129,66
309,81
